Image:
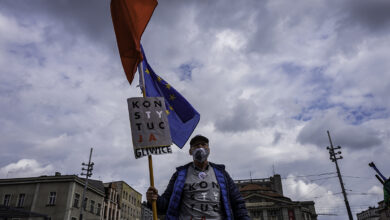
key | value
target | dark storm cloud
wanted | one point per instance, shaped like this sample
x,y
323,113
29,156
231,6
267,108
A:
x,y
235,15
215,16
252,16
242,117
359,21
342,133
372,15
92,18
89,18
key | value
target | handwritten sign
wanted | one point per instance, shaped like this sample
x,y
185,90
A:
x,y
149,126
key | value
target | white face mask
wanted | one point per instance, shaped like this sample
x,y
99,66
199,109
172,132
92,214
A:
x,y
200,154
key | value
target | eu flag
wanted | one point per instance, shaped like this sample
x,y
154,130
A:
x,y
182,117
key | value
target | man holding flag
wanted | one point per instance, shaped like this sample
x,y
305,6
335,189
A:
x,y
200,189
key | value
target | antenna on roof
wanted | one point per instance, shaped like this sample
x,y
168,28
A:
x,y
273,169
250,174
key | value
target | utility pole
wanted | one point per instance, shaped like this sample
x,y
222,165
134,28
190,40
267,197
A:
x,y
333,157
89,168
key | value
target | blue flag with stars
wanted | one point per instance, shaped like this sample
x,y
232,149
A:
x,y
182,117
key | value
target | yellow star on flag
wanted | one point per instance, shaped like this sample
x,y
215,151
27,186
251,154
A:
x,y
159,78
170,107
167,111
172,97
168,86
147,71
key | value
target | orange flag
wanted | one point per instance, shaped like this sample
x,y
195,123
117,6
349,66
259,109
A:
x,y
130,18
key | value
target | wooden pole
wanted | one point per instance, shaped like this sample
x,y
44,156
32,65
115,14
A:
x,y
151,177
154,205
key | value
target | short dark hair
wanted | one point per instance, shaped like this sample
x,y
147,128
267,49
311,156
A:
x,y
199,138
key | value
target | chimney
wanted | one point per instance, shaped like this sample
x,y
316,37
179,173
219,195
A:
x,y
277,183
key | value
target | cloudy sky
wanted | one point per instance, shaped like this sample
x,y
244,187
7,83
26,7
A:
x,y
268,77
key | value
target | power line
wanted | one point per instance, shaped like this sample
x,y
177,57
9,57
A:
x,y
320,174
330,177
366,194
304,196
358,177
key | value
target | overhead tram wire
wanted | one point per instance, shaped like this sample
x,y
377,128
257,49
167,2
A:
x,y
340,210
321,174
358,177
330,177
308,193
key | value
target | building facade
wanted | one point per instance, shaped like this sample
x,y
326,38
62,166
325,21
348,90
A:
x,y
375,213
265,201
111,203
58,197
384,212
371,213
146,212
129,200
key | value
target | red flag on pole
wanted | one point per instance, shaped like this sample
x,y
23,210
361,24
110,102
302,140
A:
x,y
130,18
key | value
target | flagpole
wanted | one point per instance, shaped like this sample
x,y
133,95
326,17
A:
x,y
151,177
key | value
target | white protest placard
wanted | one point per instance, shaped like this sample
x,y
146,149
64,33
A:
x,y
149,126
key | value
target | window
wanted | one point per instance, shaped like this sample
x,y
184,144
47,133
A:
x,y
76,200
52,198
7,198
85,203
92,206
73,218
112,214
257,214
105,211
274,214
21,200
99,208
